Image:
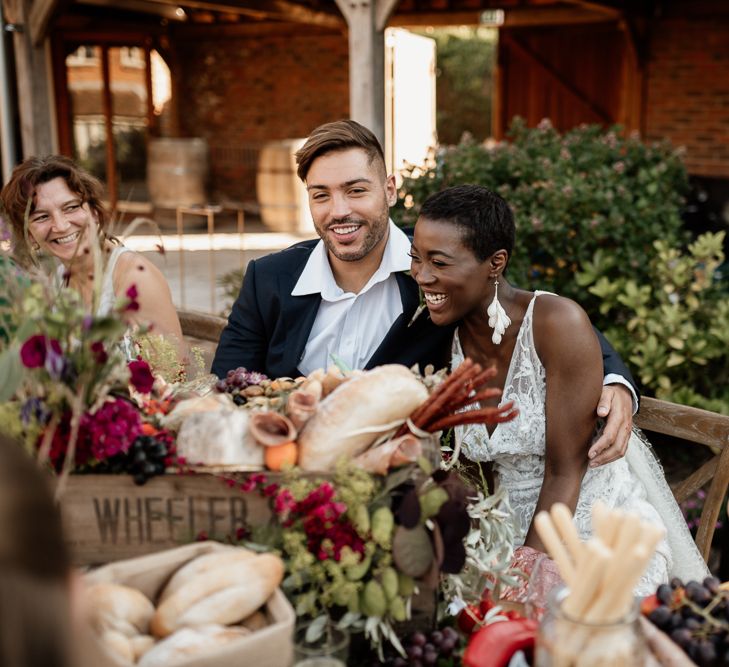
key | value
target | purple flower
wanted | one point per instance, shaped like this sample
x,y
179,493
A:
x,y
33,408
255,378
55,361
141,376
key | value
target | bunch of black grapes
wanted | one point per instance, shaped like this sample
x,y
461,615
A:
x,y
438,647
696,617
148,456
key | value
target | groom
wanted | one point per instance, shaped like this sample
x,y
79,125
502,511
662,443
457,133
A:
x,y
349,295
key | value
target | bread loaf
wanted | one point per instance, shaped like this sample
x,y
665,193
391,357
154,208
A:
x,y
376,398
254,578
120,608
118,645
188,643
141,644
212,561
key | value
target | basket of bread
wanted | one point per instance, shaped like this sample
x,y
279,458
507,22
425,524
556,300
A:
x,y
200,604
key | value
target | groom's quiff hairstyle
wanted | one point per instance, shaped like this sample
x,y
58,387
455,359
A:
x,y
341,135
483,218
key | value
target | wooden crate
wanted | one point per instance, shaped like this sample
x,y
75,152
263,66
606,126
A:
x,y
108,517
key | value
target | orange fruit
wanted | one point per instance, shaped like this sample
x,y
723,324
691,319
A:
x,y
281,455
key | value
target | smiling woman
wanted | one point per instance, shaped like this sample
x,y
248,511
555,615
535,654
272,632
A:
x,y
54,208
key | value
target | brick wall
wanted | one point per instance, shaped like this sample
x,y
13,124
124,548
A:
x,y
240,91
688,90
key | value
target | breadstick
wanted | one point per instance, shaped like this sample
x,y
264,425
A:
x,y
606,523
588,579
548,533
562,518
609,607
629,533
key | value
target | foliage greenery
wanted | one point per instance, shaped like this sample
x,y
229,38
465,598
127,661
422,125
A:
x,y
465,60
571,194
673,329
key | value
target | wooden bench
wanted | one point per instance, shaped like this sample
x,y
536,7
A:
x,y
702,428
201,325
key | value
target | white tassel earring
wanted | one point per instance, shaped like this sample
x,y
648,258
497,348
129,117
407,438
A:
x,y
498,319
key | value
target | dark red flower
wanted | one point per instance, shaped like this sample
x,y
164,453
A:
x,y
132,304
99,353
141,376
33,351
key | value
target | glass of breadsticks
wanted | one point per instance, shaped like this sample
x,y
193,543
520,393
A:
x,y
593,620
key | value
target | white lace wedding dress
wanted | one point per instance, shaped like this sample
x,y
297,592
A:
x,y
634,483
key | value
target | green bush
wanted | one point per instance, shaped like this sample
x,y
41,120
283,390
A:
x,y
572,195
673,327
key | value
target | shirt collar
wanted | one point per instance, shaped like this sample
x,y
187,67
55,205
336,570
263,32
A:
x,y
317,276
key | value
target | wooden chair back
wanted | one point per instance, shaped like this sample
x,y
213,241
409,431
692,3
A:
x,y
702,428
201,325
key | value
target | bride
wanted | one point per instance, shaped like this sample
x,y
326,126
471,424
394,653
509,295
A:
x,y
549,363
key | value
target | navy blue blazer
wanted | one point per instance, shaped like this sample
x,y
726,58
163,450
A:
x,y
268,328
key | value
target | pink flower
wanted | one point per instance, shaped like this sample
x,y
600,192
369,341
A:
x,y
270,490
34,351
253,482
284,502
111,429
141,376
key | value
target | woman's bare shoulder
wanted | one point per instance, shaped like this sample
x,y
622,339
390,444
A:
x,y
132,268
560,323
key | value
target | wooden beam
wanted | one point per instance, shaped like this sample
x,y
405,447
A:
x,y
141,6
551,73
39,17
111,184
597,7
366,65
189,30
383,12
263,9
34,89
516,17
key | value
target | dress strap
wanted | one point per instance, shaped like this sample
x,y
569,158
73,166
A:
x,y
107,296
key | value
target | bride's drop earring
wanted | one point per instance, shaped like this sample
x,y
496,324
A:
x,y
498,319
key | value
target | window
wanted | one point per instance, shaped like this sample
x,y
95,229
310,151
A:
x,y
132,56
83,56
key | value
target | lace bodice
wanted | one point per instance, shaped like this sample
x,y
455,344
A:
x,y
513,443
517,449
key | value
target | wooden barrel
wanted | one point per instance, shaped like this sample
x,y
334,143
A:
x,y
281,196
177,172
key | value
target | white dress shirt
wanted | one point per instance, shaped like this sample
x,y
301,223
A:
x,y
351,326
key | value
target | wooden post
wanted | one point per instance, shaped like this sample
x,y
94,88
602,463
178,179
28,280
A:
x,y
35,103
367,20
112,190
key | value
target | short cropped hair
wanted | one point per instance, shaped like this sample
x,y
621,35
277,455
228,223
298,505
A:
x,y
484,219
35,171
340,135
